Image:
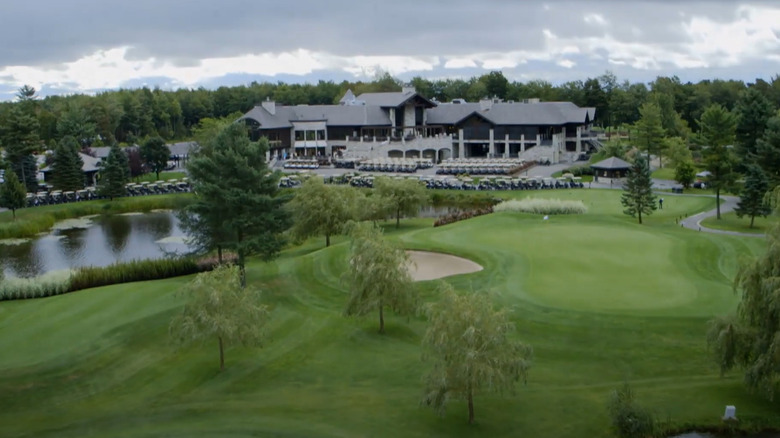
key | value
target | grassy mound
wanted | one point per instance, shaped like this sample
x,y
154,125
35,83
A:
x,y
99,362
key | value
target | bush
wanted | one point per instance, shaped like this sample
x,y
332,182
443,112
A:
x,y
461,216
461,199
542,206
629,420
582,170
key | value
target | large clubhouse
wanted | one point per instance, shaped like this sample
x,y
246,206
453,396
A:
x,y
407,125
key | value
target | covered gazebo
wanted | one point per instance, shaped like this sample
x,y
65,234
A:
x,y
612,167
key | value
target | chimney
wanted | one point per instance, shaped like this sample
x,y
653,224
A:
x,y
408,89
269,105
485,104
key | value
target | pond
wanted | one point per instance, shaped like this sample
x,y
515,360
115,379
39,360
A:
x,y
94,241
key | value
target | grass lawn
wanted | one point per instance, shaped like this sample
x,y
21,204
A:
x,y
164,176
664,173
730,222
601,299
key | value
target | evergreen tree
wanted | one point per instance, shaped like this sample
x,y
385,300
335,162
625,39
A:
x,y
114,175
155,154
718,128
13,195
77,123
66,168
231,179
752,200
649,132
753,111
638,197
19,136
768,151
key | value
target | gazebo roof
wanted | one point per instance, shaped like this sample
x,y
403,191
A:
x,y
612,163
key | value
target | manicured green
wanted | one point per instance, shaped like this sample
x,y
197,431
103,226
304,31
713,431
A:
x,y
601,299
730,222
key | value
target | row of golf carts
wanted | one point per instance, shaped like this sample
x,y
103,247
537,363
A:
x,y
51,197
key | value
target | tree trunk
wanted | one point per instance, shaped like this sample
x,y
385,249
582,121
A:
x,y
640,216
13,213
381,317
327,240
221,355
240,261
717,200
398,218
219,254
471,406
158,175
752,218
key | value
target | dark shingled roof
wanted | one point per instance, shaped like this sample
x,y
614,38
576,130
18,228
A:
x,y
334,115
391,100
88,164
612,163
505,113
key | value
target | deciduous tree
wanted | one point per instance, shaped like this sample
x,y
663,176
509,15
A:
x,y
717,135
377,275
402,196
230,177
638,197
749,338
752,200
77,123
320,209
685,173
13,195
218,307
471,349
66,168
155,154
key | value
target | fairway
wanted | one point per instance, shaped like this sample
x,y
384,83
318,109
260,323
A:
x,y
601,299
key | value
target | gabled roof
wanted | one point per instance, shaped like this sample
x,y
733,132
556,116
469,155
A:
x,y
334,115
89,164
181,148
392,99
612,163
505,113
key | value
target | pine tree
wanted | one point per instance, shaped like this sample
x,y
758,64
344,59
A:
x,y
67,165
13,195
753,111
649,129
718,127
752,200
768,151
638,197
114,175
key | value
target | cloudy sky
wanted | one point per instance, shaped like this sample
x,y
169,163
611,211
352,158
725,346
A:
x,y
69,46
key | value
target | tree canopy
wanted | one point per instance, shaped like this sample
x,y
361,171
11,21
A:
x,y
753,110
218,307
768,150
13,195
649,134
323,209
155,155
66,167
718,127
471,349
114,174
377,275
402,196
752,200
231,179
638,197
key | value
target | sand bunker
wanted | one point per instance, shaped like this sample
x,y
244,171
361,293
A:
x,y
432,265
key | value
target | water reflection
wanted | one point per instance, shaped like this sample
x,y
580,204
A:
x,y
107,240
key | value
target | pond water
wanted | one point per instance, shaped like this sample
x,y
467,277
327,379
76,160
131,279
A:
x,y
95,241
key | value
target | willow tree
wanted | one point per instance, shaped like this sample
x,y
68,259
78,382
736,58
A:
x,y
402,196
472,352
320,209
750,339
378,275
218,307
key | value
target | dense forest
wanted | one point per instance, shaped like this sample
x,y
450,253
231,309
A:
x,y
129,116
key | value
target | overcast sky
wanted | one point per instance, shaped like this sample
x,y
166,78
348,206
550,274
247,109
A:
x,y
67,46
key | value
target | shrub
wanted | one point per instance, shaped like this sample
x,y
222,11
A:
x,y
582,170
461,216
542,206
629,420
